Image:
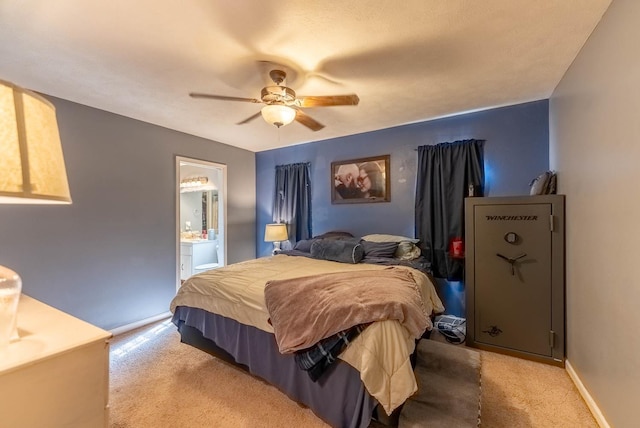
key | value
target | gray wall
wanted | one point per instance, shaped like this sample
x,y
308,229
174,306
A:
x,y
594,129
110,257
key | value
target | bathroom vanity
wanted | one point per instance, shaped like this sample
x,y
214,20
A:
x,y
197,256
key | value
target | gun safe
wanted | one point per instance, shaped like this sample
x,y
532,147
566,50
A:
x,y
514,276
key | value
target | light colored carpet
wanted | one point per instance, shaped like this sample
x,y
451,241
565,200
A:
x,y
156,381
518,393
449,388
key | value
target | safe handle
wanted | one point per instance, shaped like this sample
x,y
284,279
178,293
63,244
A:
x,y
511,261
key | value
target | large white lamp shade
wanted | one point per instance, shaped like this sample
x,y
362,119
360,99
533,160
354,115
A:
x,y
31,162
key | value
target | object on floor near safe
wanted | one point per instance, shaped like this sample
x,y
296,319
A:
x,y
452,328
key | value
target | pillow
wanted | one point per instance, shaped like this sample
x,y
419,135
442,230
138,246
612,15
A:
x,y
407,251
335,235
345,251
379,249
304,245
388,238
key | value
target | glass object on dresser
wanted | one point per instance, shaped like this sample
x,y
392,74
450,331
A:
x,y
10,287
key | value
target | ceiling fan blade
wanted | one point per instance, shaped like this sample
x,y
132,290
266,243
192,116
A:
x,y
328,100
223,97
308,121
249,119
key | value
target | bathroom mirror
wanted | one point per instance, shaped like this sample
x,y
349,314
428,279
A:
x,y
199,213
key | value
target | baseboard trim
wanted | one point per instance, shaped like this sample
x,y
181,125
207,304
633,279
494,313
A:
x,y
141,323
593,407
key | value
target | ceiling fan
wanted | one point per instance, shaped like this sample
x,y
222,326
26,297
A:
x,y
283,106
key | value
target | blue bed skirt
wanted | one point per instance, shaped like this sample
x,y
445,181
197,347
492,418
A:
x,y
338,397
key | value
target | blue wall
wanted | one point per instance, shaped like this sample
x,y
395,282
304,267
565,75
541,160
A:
x,y
516,150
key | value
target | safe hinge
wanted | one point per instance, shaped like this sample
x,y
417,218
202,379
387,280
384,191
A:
x,y
552,338
552,222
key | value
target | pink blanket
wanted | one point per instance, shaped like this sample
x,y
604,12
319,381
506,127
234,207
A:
x,y
307,309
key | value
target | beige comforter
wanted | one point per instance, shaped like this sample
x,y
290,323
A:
x,y
380,353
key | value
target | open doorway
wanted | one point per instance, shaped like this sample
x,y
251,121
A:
x,y
201,202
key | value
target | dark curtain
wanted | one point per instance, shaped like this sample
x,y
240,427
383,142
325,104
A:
x,y
292,201
445,173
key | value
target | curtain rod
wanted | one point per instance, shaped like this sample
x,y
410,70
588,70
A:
x,y
452,142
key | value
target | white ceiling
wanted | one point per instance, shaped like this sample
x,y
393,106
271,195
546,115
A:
x,y
408,60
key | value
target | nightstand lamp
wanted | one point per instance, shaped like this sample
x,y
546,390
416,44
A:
x,y
276,233
31,172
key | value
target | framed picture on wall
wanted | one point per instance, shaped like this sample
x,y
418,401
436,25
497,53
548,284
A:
x,y
360,180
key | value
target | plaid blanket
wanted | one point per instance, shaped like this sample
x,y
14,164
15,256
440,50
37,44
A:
x,y
317,359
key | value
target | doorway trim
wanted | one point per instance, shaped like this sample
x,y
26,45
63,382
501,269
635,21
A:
x,y
223,200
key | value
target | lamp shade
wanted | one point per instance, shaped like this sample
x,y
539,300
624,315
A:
x,y
275,232
278,114
31,162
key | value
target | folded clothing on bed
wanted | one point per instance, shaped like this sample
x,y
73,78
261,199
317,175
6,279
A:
x,y
305,310
317,359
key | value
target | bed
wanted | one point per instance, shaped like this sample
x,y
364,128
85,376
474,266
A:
x,y
230,313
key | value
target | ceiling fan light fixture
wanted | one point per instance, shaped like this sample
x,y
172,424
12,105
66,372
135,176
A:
x,y
278,114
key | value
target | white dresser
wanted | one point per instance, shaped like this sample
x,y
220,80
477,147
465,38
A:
x,y
57,374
